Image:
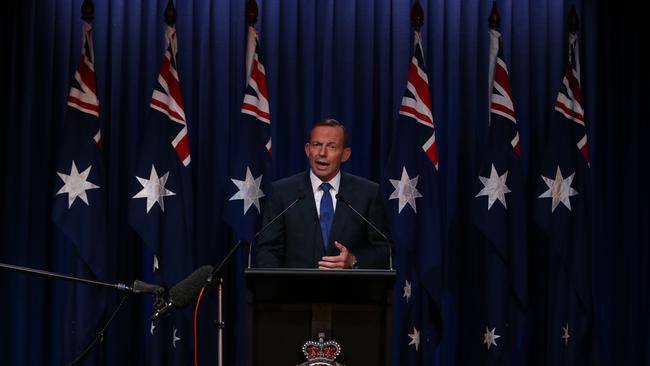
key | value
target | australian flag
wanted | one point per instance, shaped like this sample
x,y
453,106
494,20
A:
x,y
250,167
413,206
161,197
79,207
499,213
562,212
250,171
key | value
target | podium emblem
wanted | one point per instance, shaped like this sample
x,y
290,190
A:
x,y
321,353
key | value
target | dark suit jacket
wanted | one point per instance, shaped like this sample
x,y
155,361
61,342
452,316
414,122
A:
x,y
295,239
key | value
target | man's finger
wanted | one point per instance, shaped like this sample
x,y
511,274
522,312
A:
x,y
326,264
340,246
337,258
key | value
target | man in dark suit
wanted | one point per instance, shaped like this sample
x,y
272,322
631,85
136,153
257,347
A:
x,y
320,231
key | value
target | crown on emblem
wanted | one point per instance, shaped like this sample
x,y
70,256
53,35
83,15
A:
x,y
321,353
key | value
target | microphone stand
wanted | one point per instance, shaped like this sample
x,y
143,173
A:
x,y
219,323
118,286
390,249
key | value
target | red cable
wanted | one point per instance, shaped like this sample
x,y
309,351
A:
x,y
196,312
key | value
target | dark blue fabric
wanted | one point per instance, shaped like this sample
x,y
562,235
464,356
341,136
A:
x,y
563,200
161,202
326,214
499,212
79,207
411,191
250,153
250,173
342,59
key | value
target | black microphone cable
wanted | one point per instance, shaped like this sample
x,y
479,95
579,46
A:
x,y
100,335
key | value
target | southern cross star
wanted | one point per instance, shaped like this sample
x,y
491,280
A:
x,y
490,338
565,334
76,184
407,291
559,189
405,191
494,187
249,191
175,337
153,189
415,338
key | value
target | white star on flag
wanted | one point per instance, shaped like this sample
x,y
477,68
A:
x,y
415,338
407,291
565,334
175,338
153,189
405,190
494,187
249,190
490,338
559,189
76,184
152,328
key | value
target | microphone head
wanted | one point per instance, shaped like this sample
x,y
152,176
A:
x,y
184,292
340,197
140,287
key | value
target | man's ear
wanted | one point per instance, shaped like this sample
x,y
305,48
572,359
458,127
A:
x,y
307,150
346,154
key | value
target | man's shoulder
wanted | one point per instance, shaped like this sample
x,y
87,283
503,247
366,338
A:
x,y
357,181
290,182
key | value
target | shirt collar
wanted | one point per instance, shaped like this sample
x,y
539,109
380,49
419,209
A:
x,y
316,182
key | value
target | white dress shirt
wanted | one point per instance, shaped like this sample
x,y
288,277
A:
x,y
318,192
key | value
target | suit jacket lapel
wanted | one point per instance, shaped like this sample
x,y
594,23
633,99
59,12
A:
x,y
312,223
341,215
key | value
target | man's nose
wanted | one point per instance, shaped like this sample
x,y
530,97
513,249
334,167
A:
x,y
322,151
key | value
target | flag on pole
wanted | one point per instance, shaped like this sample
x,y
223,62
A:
x,y
250,167
250,173
413,206
79,207
500,215
80,199
161,199
562,212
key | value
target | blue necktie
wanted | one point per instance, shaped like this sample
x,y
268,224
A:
x,y
326,213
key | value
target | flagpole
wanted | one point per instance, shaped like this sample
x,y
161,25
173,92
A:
x,y
417,16
572,20
87,11
251,14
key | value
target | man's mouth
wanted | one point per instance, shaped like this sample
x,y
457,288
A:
x,y
322,163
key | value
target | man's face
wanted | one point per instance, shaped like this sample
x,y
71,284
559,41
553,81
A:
x,y
325,151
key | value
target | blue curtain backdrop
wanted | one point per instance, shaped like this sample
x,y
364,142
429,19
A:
x,y
342,59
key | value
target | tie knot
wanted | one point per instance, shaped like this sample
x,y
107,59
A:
x,y
325,187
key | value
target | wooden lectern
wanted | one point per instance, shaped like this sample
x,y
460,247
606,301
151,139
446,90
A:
x,y
287,307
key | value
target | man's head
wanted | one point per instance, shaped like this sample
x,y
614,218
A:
x,y
327,148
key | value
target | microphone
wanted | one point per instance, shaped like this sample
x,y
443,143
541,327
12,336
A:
x,y
140,287
390,250
299,198
266,226
184,292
